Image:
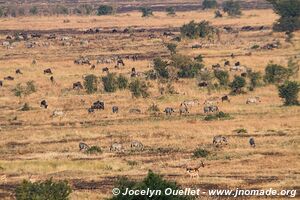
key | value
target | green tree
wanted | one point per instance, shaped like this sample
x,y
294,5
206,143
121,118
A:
x,y
289,11
122,82
172,47
47,190
237,84
161,67
33,10
232,8
194,30
289,91
255,79
275,73
146,12
153,182
186,66
139,88
222,76
104,10
91,83
110,82
209,4
170,11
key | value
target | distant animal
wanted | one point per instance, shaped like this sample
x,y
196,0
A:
x,y
47,71
244,74
57,113
83,146
252,142
18,71
237,64
116,147
52,79
183,109
226,63
220,140
91,110
120,63
105,69
77,86
232,55
34,62
98,105
1,83
9,78
169,111
136,146
115,109
135,110
251,100
193,171
44,104
216,66
210,108
191,103
203,84
93,67
225,98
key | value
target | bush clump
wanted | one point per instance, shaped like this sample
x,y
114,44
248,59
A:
x,y
122,82
104,10
222,76
219,116
91,83
146,12
289,92
209,4
161,68
110,82
93,150
237,84
195,30
139,88
275,73
232,8
47,190
170,11
187,68
200,153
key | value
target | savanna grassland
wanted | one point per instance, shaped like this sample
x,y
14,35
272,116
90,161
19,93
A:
x,y
36,146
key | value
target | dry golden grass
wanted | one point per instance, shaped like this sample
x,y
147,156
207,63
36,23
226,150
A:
x,y
47,147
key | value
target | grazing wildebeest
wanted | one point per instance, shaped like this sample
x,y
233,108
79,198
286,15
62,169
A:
x,y
77,86
9,78
44,104
216,66
115,109
244,74
57,113
105,69
18,71
210,108
237,63
98,105
117,147
252,142
136,146
203,84
253,100
1,83
93,67
226,63
169,111
83,146
232,55
47,71
120,63
135,110
91,110
52,79
225,98
193,171
219,140
183,109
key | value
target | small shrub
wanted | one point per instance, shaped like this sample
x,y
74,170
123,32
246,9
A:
x,y
237,84
170,11
160,66
122,82
60,10
241,131
91,84
47,190
187,68
289,92
255,46
132,163
93,150
146,12
209,4
25,107
255,79
33,10
153,108
232,8
104,10
172,47
110,82
219,116
30,87
222,76
275,73
199,58
139,88
18,90
200,153
195,30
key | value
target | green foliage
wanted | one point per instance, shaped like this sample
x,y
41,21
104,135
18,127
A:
x,y
170,11
275,73
255,46
237,84
232,8
33,10
104,10
289,91
209,4
200,153
194,30
219,116
30,88
161,67
222,76
293,68
218,14
146,12
255,79
122,82
47,190
93,150
21,90
60,10
110,82
289,11
91,83
139,88
152,182
172,47
199,58
186,66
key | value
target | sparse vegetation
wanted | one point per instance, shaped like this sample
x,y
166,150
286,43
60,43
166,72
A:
x,y
218,116
139,88
172,47
33,10
222,76
104,10
200,153
209,4
232,8
170,11
289,92
237,84
186,66
93,150
91,83
122,82
110,82
146,12
161,67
